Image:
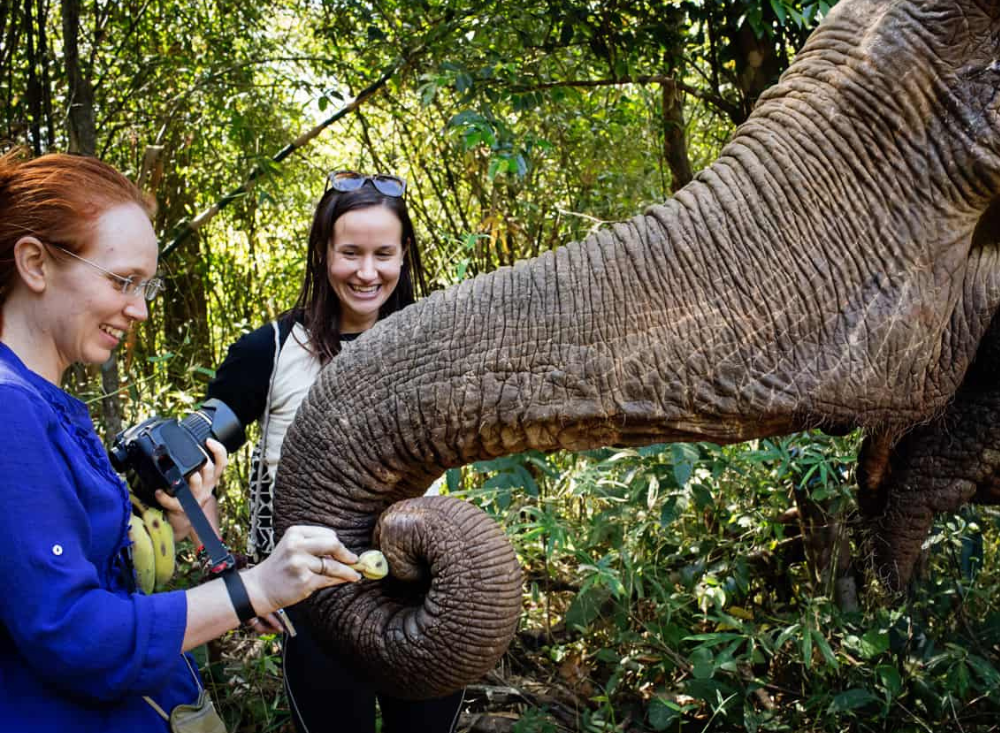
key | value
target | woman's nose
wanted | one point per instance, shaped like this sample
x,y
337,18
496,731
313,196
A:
x,y
137,309
367,269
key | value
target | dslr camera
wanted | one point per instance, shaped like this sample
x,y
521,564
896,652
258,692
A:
x,y
160,450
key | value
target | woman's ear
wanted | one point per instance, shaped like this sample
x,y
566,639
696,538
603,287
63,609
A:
x,y
32,261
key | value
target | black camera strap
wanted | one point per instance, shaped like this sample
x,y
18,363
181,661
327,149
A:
x,y
220,557
221,561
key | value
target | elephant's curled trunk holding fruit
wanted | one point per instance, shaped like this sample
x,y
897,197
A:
x,y
836,267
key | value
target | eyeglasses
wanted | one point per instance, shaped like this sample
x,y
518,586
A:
x,y
149,289
344,181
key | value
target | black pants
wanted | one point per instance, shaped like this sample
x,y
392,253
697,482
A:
x,y
328,694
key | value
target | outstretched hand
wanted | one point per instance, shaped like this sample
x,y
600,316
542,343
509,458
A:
x,y
306,559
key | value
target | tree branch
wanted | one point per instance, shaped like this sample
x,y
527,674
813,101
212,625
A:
x,y
715,100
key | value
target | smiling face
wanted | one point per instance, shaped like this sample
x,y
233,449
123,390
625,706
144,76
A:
x,y
364,261
83,310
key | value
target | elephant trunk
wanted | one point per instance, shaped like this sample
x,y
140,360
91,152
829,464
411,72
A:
x,y
557,353
802,280
414,623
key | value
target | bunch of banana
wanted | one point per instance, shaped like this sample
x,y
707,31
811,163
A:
x,y
152,546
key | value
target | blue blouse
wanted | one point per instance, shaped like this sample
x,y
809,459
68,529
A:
x,y
78,648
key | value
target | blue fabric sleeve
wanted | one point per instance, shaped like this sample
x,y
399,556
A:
x,y
83,639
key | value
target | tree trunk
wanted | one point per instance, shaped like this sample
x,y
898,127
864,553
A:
x,y
675,150
83,140
82,128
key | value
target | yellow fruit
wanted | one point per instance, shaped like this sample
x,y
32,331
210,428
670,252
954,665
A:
x,y
142,554
162,535
372,565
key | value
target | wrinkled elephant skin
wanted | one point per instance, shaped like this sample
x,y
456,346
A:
x,y
937,467
837,266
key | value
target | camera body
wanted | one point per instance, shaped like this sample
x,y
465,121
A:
x,y
160,450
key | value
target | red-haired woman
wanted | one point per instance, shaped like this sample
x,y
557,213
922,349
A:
x,y
80,648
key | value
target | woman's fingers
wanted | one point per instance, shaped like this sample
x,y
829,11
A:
x,y
219,458
168,502
267,624
319,541
330,568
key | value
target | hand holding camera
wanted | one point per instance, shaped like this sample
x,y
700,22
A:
x,y
202,483
162,452
177,463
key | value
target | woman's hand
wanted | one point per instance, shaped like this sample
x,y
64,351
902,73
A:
x,y
202,482
306,559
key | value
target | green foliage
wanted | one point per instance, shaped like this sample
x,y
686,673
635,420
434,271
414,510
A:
x,y
668,572
668,582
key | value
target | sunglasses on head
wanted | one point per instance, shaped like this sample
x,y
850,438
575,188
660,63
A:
x,y
386,185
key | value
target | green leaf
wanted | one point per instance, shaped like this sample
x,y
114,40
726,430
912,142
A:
x,y
427,94
851,700
786,635
874,643
779,10
890,679
586,606
497,165
824,648
663,713
986,671
684,456
669,512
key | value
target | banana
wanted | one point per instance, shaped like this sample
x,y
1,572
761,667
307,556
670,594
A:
x,y
372,565
142,554
162,535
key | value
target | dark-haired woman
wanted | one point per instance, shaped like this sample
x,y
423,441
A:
x,y
363,264
81,650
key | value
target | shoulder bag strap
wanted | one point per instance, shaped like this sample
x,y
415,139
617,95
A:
x,y
159,710
256,499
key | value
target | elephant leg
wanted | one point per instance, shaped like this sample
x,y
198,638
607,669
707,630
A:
x,y
936,468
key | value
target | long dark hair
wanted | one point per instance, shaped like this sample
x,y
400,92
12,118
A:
x,y
317,304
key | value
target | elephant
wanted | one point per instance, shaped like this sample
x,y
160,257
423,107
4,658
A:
x,y
837,267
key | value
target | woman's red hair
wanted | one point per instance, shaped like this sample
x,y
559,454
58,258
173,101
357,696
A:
x,y
56,198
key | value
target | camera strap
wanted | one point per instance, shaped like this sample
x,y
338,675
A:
x,y
221,561
220,558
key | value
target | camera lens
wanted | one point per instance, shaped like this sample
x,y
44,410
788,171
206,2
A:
x,y
215,420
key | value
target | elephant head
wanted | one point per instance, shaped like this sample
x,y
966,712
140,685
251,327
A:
x,y
826,270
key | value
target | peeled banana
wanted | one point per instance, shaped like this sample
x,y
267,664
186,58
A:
x,y
142,554
372,564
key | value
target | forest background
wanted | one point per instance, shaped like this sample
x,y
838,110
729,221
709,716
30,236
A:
x,y
666,588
